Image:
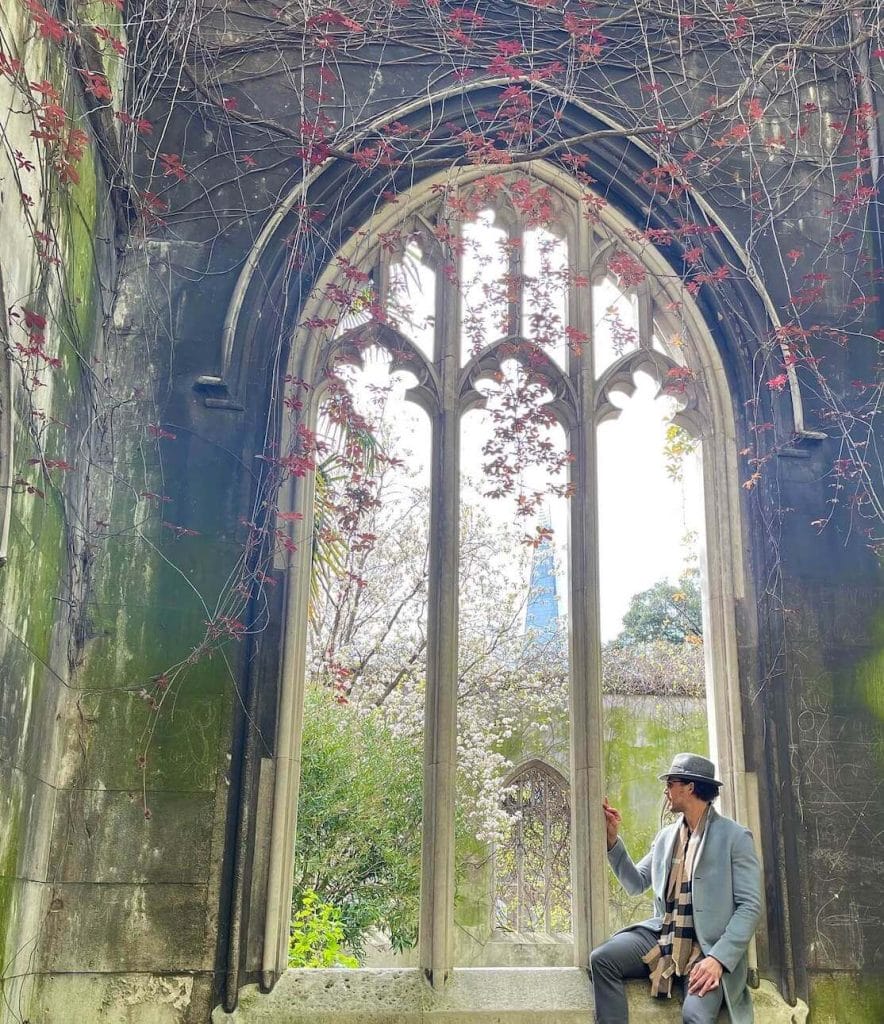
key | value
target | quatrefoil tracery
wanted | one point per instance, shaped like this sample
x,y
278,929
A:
x,y
672,379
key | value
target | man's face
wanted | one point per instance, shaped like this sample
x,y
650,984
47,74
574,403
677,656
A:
x,y
677,793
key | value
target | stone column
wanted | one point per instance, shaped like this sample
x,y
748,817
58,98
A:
x,y
440,717
588,862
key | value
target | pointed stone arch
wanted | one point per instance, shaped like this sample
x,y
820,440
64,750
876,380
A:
x,y
721,358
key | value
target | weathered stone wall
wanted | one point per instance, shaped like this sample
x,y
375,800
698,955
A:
x,y
111,844
124,884
57,263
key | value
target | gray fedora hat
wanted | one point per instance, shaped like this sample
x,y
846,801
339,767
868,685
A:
x,y
692,768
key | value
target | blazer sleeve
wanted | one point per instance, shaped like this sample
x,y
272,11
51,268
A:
x,y
746,878
634,878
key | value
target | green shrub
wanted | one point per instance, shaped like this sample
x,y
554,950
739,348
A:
x,y
359,822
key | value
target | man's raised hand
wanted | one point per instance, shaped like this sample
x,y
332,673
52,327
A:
x,y
612,822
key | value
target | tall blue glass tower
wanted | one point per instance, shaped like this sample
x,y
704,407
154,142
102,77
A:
x,y
542,610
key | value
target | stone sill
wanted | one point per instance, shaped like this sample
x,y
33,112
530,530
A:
x,y
475,995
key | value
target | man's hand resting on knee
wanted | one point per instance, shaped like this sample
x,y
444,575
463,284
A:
x,y
705,976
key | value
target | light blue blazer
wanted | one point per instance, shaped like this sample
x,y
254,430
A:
x,y
726,897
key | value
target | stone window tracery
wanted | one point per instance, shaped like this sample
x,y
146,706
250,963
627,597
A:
x,y
532,866
580,308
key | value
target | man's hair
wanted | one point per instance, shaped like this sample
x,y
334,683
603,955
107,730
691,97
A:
x,y
706,791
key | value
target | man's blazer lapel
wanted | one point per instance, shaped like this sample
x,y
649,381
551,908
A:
x,y
711,815
667,848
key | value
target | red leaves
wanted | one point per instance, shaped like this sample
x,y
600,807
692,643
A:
x,y
351,272
541,533
332,19
628,270
226,626
47,248
847,203
754,109
381,155
578,27
150,206
49,28
155,430
48,464
500,67
141,124
56,129
664,180
46,91
96,84
117,45
737,133
576,339
460,37
510,48
314,133
741,29
466,16
711,277
33,321
172,166
33,324
806,297
779,382
9,66
677,380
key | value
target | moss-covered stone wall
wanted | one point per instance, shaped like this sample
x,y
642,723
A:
x,y
121,732
52,260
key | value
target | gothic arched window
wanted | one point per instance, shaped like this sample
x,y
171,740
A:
x,y
532,866
524,281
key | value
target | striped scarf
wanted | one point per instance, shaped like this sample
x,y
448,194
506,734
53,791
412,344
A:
x,y
677,949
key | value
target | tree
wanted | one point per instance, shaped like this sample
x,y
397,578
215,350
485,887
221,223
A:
x,y
359,815
656,668
667,611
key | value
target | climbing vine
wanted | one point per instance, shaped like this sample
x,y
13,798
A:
x,y
754,109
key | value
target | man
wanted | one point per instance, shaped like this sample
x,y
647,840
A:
x,y
707,899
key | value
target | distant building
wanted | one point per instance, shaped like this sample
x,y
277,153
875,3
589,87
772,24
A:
x,y
542,611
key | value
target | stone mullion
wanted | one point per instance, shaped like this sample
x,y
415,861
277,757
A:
x,y
297,497
515,282
587,761
440,722
645,316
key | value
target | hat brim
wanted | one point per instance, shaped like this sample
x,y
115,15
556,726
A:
x,y
687,777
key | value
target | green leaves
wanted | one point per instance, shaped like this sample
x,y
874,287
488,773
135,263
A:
x,y
317,935
358,847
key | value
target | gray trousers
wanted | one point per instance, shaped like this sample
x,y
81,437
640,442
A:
x,y
620,958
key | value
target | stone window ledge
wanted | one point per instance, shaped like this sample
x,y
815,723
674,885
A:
x,y
475,995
